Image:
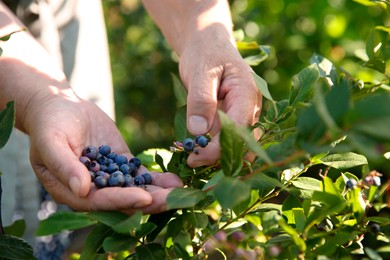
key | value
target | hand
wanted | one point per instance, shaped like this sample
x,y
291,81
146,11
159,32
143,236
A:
x,y
60,126
216,76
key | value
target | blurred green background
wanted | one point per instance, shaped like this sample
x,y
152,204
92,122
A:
x,y
142,62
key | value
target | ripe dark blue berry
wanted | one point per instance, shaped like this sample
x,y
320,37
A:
x,y
90,151
201,140
139,180
133,169
188,145
125,168
128,181
117,179
94,166
351,184
147,177
375,228
136,161
120,159
111,155
104,150
85,160
112,167
100,182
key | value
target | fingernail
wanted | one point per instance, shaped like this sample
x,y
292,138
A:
x,y
74,185
197,125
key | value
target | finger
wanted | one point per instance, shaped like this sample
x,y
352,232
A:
x,y
202,86
164,180
62,162
113,198
159,204
208,155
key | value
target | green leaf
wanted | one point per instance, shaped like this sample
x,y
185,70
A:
x,y
173,229
384,221
118,243
303,84
343,161
160,220
15,248
145,229
94,241
16,229
7,119
198,219
131,223
307,183
63,220
184,198
151,251
230,192
109,218
231,147
180,91
262,86
298,241
326,68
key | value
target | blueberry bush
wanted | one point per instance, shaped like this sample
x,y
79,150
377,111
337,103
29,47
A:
x,y
317,188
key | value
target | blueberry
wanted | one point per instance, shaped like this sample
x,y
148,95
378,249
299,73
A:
x,y
136,161
351,184
102,160
93,175
121,159
132,169
94,166
139,180
375,228
105,175
85,160
128,181
109,161
104,150
125,168
112,167
111,155
117,179
100,182
90,151
188,145
103,167
201,140
147,177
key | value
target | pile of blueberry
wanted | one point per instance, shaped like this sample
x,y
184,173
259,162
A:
x,y
190,144
108,169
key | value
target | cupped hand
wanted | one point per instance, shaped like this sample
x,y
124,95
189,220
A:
x,y
216,77
60,126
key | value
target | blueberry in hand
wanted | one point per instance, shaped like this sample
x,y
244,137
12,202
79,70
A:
x,y
139,180
136,161
90,151
201,140
104,150
85,160
112,167
128,181
188,145
120,159
117,179
94,166
111,155
100,182
133,169
147,177
125,169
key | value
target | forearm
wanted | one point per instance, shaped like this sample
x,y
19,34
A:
x,y
184,20
27,71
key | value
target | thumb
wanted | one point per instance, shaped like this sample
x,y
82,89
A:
x,y
202,88
64,165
